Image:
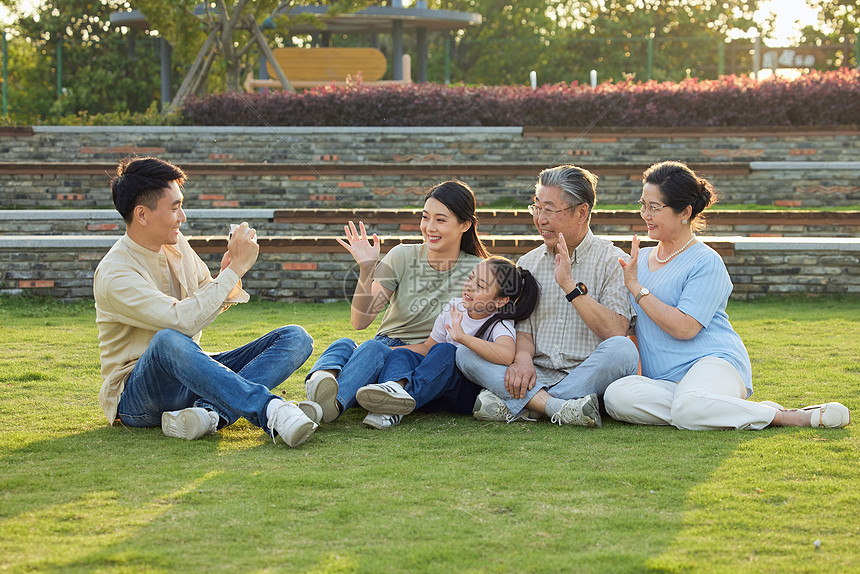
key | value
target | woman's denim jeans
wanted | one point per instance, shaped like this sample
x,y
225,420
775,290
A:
x,y
355,366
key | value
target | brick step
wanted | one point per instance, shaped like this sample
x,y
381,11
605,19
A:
x,y
36,184
322,222
318,269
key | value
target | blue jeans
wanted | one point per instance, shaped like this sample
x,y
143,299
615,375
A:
x,y
434,381
614,358
354,366
174,373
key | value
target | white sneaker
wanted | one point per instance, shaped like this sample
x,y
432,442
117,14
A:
x,y
382,421
321,388
312,410
489,407
290,423
190,424
584,412
385,398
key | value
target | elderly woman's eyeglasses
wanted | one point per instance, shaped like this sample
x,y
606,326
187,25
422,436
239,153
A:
x,y
550,213
651,208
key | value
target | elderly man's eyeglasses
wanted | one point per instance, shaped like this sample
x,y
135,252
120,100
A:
x,y
651,208
550,213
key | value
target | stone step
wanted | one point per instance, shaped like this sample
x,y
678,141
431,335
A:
x,y
390,167
39,184
319,269
320,222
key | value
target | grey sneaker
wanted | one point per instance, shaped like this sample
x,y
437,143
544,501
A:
x,y
584,412
489,407
321,388
382,421
385,398
190,424
290,423
312,410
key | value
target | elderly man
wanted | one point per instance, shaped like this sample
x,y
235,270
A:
x,y
574,344
154,296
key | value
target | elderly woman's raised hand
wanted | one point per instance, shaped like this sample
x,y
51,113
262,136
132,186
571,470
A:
x,y
631,267
365,252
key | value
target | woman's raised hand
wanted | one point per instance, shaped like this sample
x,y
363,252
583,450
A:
x,y
365,252
630,268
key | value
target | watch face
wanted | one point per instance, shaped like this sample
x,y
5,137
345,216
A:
x,y
582,287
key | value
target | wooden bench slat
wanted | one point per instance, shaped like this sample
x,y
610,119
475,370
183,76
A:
x,y
329,64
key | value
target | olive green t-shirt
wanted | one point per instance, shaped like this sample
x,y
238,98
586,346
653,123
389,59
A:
x,y
419,291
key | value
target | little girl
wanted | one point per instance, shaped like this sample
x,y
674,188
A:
x,y
425,375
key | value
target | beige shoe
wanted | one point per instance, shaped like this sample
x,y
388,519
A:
x,y
322,388
312,410
190,424
829,415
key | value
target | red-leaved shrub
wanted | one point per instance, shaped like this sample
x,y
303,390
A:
x,y
814,99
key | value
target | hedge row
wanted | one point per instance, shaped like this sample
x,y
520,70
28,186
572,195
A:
x,y
814,99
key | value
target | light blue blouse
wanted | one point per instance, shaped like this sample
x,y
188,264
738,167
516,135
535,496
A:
x,y
697,283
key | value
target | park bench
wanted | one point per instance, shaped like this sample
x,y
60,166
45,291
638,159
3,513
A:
x,y
309,67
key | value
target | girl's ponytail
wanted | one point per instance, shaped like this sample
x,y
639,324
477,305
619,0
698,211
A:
x,y
521,288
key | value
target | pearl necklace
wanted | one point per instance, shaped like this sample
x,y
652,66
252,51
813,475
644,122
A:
x,y
657,256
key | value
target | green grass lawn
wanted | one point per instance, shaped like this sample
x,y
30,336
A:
x,y
438,493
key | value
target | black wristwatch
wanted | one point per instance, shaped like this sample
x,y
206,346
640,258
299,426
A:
x,y
580,289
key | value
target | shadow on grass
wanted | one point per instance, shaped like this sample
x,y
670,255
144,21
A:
x,y
767,504
437,494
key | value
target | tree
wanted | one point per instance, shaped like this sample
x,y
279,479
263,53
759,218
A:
x,y
97,72
512,40
226,37
838,24
563,40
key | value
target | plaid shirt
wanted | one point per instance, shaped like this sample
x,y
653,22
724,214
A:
x,y
562,339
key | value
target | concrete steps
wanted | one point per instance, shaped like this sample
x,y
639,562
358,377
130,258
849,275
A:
x,y
330,222
318,269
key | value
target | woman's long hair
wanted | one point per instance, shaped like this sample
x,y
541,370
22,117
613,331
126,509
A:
x,y
460,200
519,286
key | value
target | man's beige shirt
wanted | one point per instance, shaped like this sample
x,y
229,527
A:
x,y
562,339
132,287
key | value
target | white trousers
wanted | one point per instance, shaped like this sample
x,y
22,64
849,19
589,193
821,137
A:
x,y
711,396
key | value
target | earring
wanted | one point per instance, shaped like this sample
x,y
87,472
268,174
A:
x,y
683,222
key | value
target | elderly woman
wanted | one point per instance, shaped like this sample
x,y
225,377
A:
x,y
696,372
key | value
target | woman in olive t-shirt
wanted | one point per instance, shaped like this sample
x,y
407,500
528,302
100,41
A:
x,y
417,281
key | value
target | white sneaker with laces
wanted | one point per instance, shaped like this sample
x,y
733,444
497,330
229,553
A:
x,y
490,407
584,412
312,410
190,424
290,423
385,398
321,388
382,421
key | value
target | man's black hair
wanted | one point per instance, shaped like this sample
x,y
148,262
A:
x,y
142,181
